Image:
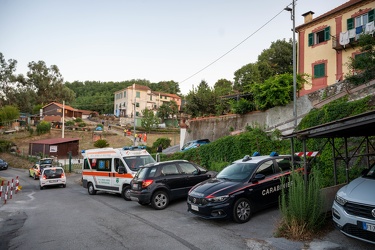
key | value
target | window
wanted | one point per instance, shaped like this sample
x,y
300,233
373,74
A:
x,y
284,164
188,168
266,168
137,104
319,70
138,94
319,36
150,97
124,94
137,113
359,22
169,169
101,164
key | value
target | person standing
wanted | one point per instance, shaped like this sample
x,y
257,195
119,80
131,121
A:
x,y
160,148
140,137
135,137
144,137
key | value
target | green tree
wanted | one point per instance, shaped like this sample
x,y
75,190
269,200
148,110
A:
x,y
362,66
223,87
242,106
7,79
279,57
167,110
48,83
171,87
275,91
149,120
202,101
8,114
246,76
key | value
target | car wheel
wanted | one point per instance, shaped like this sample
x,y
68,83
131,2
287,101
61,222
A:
x,y
64,185
91,189
242,210
159,200
41,188
125,193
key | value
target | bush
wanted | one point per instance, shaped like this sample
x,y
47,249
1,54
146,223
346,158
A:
x,y
301,206
43,127
70,123
5,145
79,119
101,143
165,142
82,124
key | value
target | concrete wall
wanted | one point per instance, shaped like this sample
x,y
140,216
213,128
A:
x,y
280,118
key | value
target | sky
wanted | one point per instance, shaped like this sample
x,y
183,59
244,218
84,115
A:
x,y
186,41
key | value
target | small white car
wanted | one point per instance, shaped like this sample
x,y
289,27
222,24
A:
x,y
353,210
52,177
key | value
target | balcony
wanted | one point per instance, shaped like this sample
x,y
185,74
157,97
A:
x,y
337,46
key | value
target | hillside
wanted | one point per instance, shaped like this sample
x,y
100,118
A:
x,y
114,137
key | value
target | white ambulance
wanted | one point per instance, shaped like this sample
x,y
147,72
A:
x,y
112,169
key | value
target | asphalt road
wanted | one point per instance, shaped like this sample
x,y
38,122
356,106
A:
x,y
69,218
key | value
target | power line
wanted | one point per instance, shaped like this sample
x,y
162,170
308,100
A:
x,y
261,27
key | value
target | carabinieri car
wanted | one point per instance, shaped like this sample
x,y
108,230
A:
x,y
244,187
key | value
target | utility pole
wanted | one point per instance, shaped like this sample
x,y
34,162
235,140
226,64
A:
x,y
293,12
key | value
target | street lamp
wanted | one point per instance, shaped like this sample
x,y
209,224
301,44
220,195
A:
x,y
292,12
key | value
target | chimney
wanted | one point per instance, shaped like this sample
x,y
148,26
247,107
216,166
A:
x,y
308,16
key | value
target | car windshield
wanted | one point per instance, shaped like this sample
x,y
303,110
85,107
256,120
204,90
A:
x,y
134,162
371,172
237,171
187,145
46,161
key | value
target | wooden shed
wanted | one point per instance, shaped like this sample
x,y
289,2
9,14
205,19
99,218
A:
x,y
57,147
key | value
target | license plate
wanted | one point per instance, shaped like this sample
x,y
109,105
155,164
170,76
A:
x,y
194,207
135,186
53,181
368,227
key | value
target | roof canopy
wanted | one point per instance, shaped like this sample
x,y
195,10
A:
x,y
355,126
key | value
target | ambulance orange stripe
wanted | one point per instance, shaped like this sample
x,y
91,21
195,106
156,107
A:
x,y
107,174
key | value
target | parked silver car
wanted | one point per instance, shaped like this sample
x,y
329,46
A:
x,y
353,210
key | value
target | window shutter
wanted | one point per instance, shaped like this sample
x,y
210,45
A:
x,y
350,23
311,39
327,33
371,16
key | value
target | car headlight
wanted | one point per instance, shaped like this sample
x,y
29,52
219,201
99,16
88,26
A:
x,y
217,199
340,200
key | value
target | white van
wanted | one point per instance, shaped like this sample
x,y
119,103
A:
x,y
112,169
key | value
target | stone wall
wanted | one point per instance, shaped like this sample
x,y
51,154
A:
x,y
280,118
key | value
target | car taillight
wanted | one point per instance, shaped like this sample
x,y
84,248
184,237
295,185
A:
x,y
62,175
146,183
44,177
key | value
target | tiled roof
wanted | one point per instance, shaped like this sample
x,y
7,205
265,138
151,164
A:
x,y
165,94
334,11
55,141
139,87
61,106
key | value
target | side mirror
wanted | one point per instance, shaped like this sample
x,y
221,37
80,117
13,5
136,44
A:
x,y
258,177
121,170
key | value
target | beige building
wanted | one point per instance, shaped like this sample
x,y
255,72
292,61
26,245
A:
x,y
143,97
326,43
